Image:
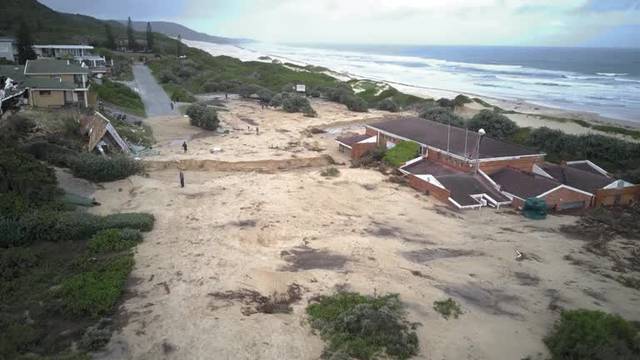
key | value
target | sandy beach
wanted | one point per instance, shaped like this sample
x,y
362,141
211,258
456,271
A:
x,y
261,228
528,114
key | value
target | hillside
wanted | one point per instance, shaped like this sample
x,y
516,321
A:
x,y
172,29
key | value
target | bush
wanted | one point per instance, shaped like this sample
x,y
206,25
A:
x,y
181,95
442,115
330,172
355,103
388,105
593,335
363,327
64,226
401,153
447,308
203,116
94,293
495,124
120,95
14,261
296,103
276,100
446,103
12,233
461,100
26,177
102,169
110,240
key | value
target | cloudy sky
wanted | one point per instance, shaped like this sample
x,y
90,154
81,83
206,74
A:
x,y
463,22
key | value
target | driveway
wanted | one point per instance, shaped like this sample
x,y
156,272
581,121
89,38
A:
x,y
156,101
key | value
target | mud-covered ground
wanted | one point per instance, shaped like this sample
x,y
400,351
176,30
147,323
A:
x,y
237,237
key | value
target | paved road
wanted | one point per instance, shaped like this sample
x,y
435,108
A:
x,y
156,101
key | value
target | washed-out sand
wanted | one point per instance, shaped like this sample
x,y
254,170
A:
x,y
230,237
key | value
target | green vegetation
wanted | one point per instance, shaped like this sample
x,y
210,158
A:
x,y
113,240
103,169
24,43
121,96
296,103
179,94
203,116
495,124
54,284
330,172
401,153
363,327
121,69
447,308
136,134
593,335
442,115
94,291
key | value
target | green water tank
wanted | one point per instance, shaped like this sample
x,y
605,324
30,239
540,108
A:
x,y
535,208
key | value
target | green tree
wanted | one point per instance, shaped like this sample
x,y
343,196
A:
x,y
149,37
495,124
24,43
179,46
131,41
442,115
111,41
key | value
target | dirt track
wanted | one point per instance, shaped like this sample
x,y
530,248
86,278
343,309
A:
x,y
230,237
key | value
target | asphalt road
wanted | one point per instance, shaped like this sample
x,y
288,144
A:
x,y
156,101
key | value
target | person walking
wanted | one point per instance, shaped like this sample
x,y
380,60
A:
x,y
181,179
184,146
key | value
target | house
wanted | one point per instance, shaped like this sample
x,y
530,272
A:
x,y
8,50
356,145
12,88
457,147
590,178
101,135
56,83
80,54
520,185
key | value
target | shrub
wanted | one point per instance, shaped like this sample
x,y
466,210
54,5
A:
x,y
388,105
94,293
102,169
14,261
363,327
593,335
23,175
181,95
447,308
401,153
202,116
442,115
495,124
168,77
12,233
461,100
330,172
296,103
445,103
15,127
355,103
139,221
276,100
110,240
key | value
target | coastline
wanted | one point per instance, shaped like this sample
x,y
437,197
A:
x,y
521,111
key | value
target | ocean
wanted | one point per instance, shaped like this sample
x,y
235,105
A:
x,y
602,81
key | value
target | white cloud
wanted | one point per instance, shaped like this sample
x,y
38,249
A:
x,y
505,22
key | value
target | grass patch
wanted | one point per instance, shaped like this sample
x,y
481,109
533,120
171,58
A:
x,y
113,240
593,335
401,153
363,327
330,172
447,308
94,292
121,96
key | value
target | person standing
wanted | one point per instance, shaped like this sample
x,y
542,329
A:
x,y
171,105
181,179
184,146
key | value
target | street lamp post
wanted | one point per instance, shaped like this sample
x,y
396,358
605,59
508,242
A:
x,y
481,133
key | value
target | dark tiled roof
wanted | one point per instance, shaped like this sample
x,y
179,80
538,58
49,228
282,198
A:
x,y
435,134
352,139
15,72
462,186
427,167
585,167
48,84
521,184
53,67
577,178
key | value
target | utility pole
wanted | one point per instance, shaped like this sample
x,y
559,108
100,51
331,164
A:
x,y
481,133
